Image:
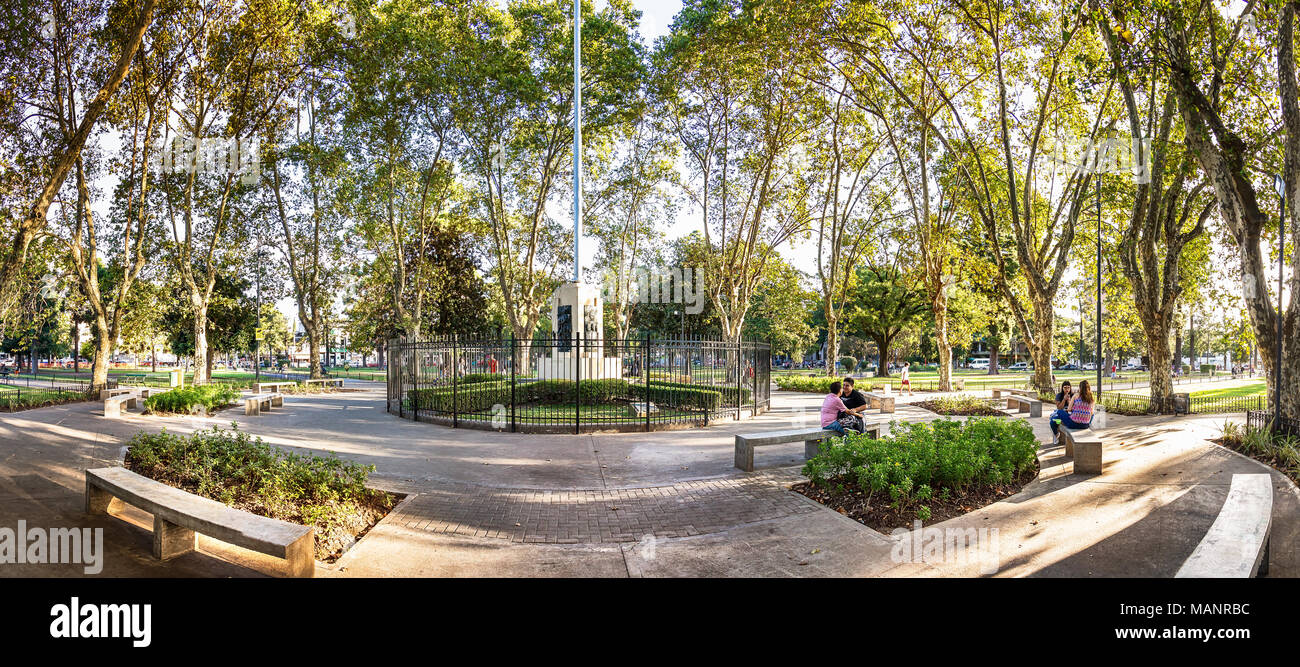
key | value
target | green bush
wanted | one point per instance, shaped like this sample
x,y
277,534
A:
x,y
483,396
850,364
233,468
818,385
728,392
187,399
918,457
475,378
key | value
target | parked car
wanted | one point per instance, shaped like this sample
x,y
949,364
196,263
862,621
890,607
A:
x,y
1068,367
1021,366
979,365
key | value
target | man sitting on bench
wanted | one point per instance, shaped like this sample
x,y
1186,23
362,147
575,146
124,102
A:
x,y
1079,416
836,417
855,402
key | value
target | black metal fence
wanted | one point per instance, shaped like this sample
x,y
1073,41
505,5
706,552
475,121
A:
x,y
20,391
577,385
1263,419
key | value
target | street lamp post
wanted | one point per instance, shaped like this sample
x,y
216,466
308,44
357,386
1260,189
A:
x,y
257,331
1098,396
1280,186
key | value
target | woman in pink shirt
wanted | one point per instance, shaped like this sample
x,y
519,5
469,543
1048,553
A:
x,y
832,408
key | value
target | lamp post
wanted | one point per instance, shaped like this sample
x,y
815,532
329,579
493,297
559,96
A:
x,y
1098,394
1279,184
257,331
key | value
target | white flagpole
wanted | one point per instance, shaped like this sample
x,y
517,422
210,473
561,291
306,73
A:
x,y
577,140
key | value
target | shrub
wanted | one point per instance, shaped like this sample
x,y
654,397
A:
x,y
233,468
728,392
187,399
819,385
919,457
850,364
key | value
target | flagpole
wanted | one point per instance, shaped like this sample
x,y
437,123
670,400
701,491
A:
x,y
577,140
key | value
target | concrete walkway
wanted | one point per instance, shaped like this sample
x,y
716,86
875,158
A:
x,y
648,504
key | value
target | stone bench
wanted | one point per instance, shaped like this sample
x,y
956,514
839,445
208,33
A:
x,y
882,402
639,409
253,404
178,515
109,393
1031,405
1084,446
1026,393
113,404
146,392
1236,546
259,387
326,382
811,437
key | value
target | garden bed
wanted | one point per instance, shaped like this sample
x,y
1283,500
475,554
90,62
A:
x,y
925,471
326,493
205,399
1280,452
960,405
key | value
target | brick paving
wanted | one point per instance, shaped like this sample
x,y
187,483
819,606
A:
x,y
592,516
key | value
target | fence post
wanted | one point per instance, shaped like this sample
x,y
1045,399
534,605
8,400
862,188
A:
x,y
455,390
514,361
645,370
577,383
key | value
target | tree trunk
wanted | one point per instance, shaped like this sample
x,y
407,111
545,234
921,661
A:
x,y
832,345
313,343
993,359
200,344
882,357
1041,350
1162,382
104,348
940,308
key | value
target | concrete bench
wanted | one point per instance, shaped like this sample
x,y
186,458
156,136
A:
x,y
1236,546
811,437
119,391
146,392
639,409
1084,446
253,404
882,402
259,387
1026,393
113,404
178,515
327,382
1031,405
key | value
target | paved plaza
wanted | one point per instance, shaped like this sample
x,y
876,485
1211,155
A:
x,y
645,504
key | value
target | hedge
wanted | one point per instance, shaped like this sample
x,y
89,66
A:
x,y
484,396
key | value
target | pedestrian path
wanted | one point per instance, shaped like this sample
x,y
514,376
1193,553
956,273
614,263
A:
x,y
651,504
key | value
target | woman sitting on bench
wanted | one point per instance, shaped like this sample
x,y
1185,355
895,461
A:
x,y
1080,413
835,416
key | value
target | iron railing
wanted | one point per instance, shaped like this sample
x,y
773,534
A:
x,y
577,385
1263,419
